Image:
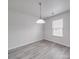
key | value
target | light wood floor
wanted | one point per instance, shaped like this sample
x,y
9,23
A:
x,y
41,50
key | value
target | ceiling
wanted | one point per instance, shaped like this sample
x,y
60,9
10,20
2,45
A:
x,y
31,7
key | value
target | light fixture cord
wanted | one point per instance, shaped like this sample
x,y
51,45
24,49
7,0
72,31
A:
x,y
40,8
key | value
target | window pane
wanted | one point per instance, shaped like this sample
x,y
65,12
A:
x,y
57,27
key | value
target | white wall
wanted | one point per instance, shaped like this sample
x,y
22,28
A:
x,y
65,40
22,29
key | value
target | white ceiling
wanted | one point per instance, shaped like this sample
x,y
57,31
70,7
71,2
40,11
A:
x,y
31,7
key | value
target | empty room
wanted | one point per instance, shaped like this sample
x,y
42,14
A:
x,y
38,29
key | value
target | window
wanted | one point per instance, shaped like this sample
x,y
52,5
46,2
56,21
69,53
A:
x,y
57,27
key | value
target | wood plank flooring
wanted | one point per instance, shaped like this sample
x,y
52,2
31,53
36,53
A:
x,y
41,50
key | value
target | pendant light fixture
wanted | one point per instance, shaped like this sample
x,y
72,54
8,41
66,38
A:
x,y
40,20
